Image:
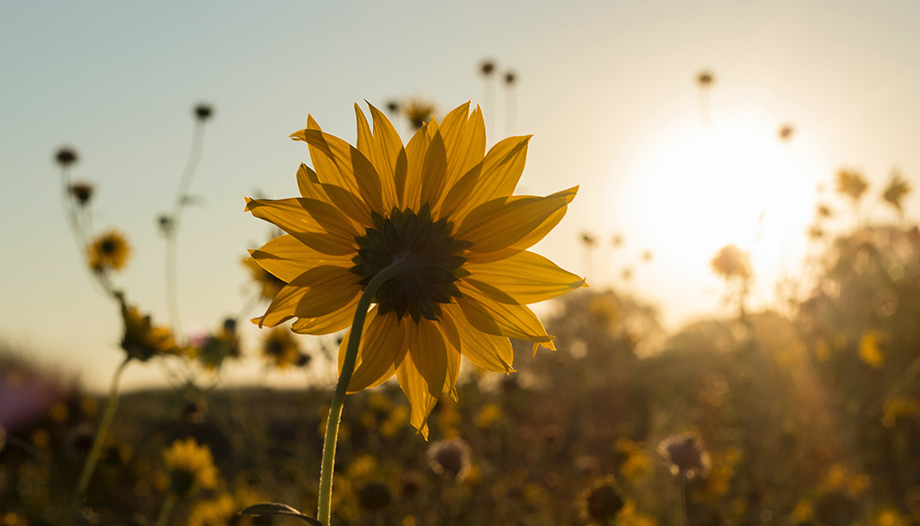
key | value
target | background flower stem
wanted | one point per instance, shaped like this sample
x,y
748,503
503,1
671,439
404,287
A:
x,y
341,387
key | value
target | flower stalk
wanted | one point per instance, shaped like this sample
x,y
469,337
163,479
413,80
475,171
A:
x,y
90,466
341,388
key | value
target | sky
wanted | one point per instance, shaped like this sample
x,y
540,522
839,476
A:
x,y
606,89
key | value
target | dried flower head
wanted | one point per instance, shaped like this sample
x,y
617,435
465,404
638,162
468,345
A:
x,y
393,105
731,262
189,465
487,67
203,111
109,251
588,239
418,112
218,347
142,340
450,458
686,454
786,131
82,192
66,156
705,78
510,78
897,188
280,348
851,183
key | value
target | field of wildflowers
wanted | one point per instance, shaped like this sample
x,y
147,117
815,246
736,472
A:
x,y
804,415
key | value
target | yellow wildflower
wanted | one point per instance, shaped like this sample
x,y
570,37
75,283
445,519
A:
x,y
280,348
418,111
851,183
897,188
189,465
213,512
488,415
890,517
439,206
142,340
108,251
730,262
268,283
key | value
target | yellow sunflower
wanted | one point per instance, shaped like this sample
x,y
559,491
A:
x,y
280,348
142,339
108,251
441,207
189,465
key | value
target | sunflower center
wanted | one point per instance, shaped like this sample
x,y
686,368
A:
x,y
431,255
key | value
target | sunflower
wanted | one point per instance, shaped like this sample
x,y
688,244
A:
x,y
280,348
189,465
143,340
440,206
108,251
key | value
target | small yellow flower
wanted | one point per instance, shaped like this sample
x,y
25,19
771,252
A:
x,y
851,184
269,285
440,204
217,347
869,351
419,112
189,465
601,503
108,251
280,348
890,517
488,415
142,340
634,463
213,512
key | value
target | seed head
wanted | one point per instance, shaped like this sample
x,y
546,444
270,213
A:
x,y
66,156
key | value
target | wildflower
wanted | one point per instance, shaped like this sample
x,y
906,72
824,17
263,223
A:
x,y
588,239
730,261
143,340
108,251
203,112
825,211
786,132
634,464
450,458
66,156
82,192
418,112
213,512
280,347
393,106
869,351
896,190
439,206
686,455
219,346
268,283
487,67
630,516
705,79
189,465
601,503
374,496
890,517
851,183
488,415
510,78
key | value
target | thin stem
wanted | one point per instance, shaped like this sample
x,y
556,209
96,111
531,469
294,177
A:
x,y
341,387
166,509
175,217
682,488
93,457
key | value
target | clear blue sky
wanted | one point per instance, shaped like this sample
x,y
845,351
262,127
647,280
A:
x,y
605,87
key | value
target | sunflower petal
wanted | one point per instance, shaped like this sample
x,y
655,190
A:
x,y
525,277
329,289
429,354
286,258
308,184
514,321
282,306
382,347
433,171
415,387
501,170
314,223
333,322
416,151
370,147
454,346
465,140
504,222
492,353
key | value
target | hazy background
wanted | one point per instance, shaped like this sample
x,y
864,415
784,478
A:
x,y
606,88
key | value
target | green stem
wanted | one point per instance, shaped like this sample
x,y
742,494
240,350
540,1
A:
x,y
341,387
93,457
166,509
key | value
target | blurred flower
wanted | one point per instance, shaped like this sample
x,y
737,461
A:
x,y
786,131
82,192
449,458
705,79
488,415
869,351
203,112
824,211
897,188
374,496
730,261
626,274
281,348
270,285
890,517
803,512
418,112
142,340
219,346
630,516
487,67
219,511
898,408
617,240
815,232
59,413
393,106
634,463
108,251
66,156
851,183
588,239
510,78
647,256
686,455
40,438
842,480
438,219
601,503
189,464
